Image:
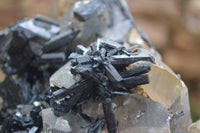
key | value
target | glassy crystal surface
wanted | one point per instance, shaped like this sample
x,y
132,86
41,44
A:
x,y
134,113
195,127
63,77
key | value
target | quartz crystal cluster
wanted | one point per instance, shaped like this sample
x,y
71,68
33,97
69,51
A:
x,y
94,71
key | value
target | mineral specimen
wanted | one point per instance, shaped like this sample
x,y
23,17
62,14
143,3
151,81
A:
x,y
106,76
134,113
100,67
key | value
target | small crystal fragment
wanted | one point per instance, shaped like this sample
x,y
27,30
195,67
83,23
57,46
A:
x,y
59,78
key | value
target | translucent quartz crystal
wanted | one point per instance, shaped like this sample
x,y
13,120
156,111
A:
x,y
134,113
195,127
167,89
164,88
138,114
135,38
63,77
165,106
180,123
69,123
89,29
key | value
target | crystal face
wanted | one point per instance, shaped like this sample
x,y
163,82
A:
x,y
94,71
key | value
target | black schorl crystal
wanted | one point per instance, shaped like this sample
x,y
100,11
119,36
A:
x,y
31,42
31,50
25,119
104,74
